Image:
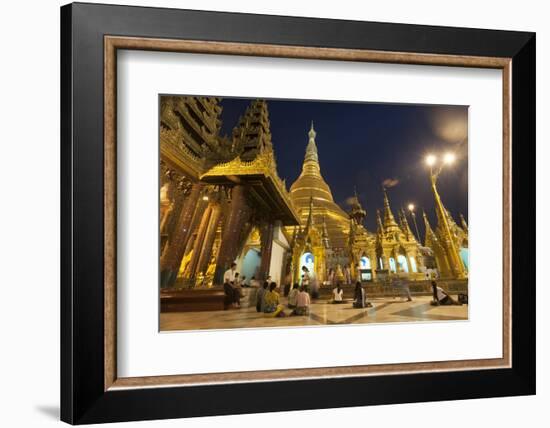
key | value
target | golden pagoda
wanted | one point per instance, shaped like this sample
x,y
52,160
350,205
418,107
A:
x,y
311,186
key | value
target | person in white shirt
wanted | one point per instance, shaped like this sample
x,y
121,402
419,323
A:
x,y
229,275
302,302
292,296
338,294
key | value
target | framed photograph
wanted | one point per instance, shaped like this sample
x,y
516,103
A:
x,y
308,213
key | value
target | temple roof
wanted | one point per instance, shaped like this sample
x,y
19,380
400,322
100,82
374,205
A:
x,y
255,166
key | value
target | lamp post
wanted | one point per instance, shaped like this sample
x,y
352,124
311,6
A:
x,y
413,215
455,261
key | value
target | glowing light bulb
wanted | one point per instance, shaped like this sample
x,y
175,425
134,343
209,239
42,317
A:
x,y
411,207
449,158
430,160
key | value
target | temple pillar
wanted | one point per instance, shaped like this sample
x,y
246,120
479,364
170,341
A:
x,y
171,258
266,239
209,238
386,261
237,216
166,204
373,264
191,271
409,266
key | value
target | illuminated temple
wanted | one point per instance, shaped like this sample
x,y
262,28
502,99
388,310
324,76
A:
x,y
222,201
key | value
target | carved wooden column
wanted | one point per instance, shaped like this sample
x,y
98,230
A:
x,y
237,216
209,238
166,204
266,238
171,259
199,240
178,189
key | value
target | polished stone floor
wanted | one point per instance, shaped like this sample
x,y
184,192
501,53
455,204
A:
x,y
384,310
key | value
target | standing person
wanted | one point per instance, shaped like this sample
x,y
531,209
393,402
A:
x,y
260,297
237,290
287,289
403,286
292,296
229,275
302,302
338,294
229,295
440,297
305,277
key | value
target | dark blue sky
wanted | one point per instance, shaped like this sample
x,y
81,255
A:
x,y
364,144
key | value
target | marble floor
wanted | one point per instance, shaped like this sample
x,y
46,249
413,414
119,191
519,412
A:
x,y
384,310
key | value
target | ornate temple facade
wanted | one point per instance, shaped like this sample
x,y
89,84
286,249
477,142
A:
x,y
219,196
222,201
338,241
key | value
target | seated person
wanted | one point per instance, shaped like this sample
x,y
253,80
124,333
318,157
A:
x,y
360,297
260,297
292,295
440,297
302,302
338,294
271,302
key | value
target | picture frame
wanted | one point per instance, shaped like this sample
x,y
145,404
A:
x,y
91,391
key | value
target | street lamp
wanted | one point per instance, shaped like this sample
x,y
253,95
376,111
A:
x,y
411,208
431,161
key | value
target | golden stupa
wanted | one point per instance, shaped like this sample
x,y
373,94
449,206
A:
x,y
311,185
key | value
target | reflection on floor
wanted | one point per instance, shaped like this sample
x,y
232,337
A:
x,y
322,313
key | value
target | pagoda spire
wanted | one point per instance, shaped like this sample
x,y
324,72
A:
x,y
380,228
311,159
252,135
405,226
463,223
357,212
389,219
429,235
